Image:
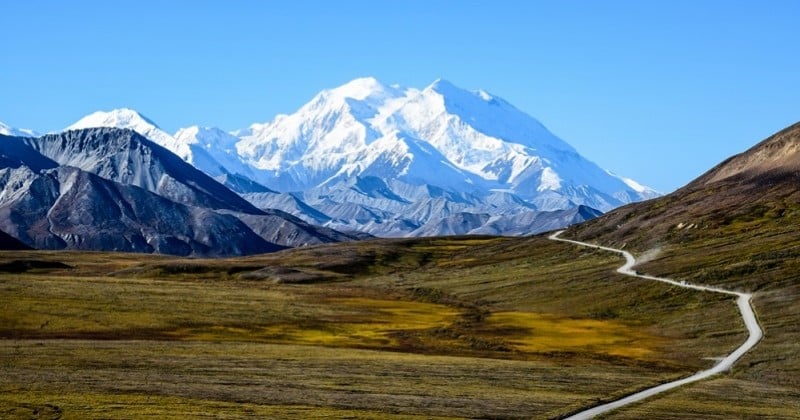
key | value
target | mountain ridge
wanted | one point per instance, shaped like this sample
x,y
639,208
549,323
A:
x,y
472,144
8,130
759,184
113,189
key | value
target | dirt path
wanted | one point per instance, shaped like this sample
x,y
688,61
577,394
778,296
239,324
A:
x,y
745,308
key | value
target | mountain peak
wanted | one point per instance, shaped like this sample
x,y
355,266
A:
x,y
441,85
7,130
362,88
133,120
116,118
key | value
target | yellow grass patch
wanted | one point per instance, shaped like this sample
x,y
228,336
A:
x,y
542,333
354,322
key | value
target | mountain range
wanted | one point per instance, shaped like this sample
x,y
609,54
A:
x,y
115,190
392,161
364,158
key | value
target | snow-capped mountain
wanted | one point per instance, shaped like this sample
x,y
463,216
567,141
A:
x,y
7,130
132,120
441,135
394,161
113,189
210,150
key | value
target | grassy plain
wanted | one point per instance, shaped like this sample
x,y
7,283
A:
x,y
446,327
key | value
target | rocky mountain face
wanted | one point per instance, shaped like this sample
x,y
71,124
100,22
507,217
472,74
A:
x,y
392,162
112,189
129,158
208,149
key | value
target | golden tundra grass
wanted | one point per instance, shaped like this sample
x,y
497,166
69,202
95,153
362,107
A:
x,y
448,327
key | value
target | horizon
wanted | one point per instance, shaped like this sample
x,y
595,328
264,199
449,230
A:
x,y
658,93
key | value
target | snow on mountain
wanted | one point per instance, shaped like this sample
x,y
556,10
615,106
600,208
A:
x,y
392,161
441,135
113,189
16,132
130,119
211,150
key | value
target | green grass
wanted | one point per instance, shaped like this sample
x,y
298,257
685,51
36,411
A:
x,y
461,327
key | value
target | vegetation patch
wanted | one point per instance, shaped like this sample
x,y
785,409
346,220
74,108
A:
x,y
22,266
543,333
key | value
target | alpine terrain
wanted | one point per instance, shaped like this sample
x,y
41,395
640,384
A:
x,y
112,189
7,130
393,161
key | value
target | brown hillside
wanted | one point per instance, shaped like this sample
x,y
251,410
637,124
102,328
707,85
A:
x,y
761,184
737,226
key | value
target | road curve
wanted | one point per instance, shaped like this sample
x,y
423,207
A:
x,y
742,300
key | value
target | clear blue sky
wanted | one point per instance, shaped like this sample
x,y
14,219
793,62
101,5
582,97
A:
x,y
658,91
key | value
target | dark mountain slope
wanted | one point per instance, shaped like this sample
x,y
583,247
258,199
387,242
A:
x,y
126,157
67,208
757,189
8,242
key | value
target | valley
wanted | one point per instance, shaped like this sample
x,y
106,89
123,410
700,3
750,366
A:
x,y
405,210
451,327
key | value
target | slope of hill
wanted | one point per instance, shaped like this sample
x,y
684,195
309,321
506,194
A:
x,y
736,226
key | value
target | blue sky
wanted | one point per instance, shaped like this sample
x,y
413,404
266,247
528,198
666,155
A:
x,y
658,91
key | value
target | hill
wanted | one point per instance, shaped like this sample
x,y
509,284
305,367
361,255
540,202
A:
x,y
735,226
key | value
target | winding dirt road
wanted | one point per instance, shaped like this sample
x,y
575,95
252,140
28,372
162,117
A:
x,y
742,300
